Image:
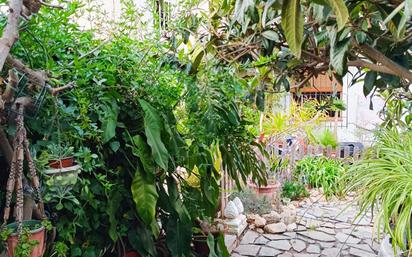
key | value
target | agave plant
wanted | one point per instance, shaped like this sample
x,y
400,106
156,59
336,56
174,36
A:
x,y
384,182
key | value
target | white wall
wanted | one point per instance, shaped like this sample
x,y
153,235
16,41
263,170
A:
x,y
358,121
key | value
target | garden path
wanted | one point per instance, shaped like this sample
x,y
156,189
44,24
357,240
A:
x,y
323,229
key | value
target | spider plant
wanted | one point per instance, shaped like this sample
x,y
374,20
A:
x,y
384,180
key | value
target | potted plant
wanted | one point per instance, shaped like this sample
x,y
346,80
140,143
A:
x,y
60,156
59,166
32,241
272,186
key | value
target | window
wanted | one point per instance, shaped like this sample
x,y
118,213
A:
x,y
321,88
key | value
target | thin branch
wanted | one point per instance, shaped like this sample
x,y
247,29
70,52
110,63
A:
x,y
10,32
303,82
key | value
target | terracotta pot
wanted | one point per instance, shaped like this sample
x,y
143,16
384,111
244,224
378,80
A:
x,y
37,234
63,163
269,190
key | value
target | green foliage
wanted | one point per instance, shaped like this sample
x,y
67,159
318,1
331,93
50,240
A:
x,y
252,202
294,190
383,181
327,138
134,117
322,172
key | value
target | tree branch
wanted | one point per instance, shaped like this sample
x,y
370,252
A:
x,y
379,57
37,77
371,66
10,32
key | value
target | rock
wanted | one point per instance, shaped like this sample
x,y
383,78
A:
x,y
331,252
231,210
275,228
260,222
312,224
275,237
291,227
249,237
342,225
326,245
363,247
313,249
261,240
285,255
239,205
343,238
247,250
317,235
251,217
360,253
298,245
260,231
267,251
306,255
288,216
326,230
280,244
272,217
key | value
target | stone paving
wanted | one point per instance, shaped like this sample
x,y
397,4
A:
x,y
323,229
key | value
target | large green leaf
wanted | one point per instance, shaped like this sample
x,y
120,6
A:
x,y
338,55
292,24
145,196
340,10
369,83
142,150
108,118
153,126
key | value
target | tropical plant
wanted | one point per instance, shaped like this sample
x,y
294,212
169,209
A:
x,y
294,190
322,172
383,182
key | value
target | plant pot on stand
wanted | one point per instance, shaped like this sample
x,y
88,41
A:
x,y
34,241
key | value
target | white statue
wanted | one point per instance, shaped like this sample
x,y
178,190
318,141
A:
x,y
231,210
239,205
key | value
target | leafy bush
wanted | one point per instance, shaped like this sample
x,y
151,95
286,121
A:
x,y
252,202
322,172
134,116
383,179
294,190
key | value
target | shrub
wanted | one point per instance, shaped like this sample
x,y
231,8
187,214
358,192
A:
x,y
322,172
383,179
294,190
252,202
